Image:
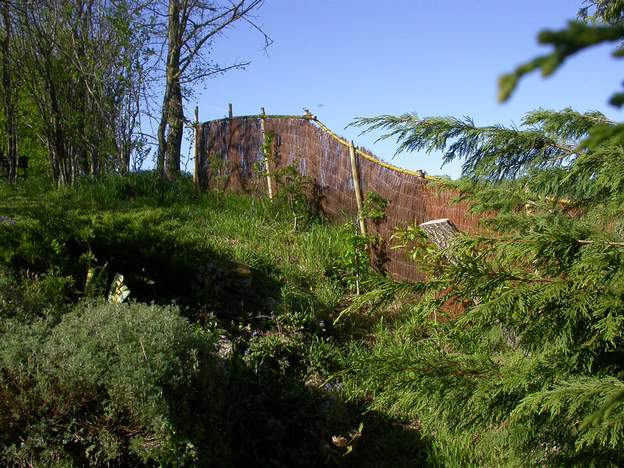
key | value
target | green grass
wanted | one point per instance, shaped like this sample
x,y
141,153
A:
x,y
234,267
227,229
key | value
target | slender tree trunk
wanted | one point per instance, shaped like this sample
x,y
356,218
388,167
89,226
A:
x,y
95,164
171,128
10,90
175,121
162,138
60,155
125,142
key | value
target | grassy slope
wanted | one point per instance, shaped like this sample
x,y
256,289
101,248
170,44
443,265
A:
x,y
229,261
238,229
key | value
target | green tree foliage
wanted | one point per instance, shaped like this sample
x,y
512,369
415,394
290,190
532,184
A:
x,y
601,22
73,77
533,356
511,353
77,75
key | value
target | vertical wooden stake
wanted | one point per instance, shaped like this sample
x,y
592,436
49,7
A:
x,y
229,137
267,160
198,136
357,189
357,268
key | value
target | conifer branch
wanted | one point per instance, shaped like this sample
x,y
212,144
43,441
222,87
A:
x,y
566,42
490,153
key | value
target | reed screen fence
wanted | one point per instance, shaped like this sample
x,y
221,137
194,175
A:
x,y
230,155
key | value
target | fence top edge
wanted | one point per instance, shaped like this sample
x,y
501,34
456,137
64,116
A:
x,y
259,116
338,138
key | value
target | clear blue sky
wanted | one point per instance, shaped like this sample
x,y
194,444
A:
x,y
348,58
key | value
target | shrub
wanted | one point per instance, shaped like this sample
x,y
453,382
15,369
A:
x,y
109,384
275,352
32,295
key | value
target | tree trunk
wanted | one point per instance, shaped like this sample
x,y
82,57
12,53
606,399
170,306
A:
x,y
62,163
175,122
171,128
10,90
162,136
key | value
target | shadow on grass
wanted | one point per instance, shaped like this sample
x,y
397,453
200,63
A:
x,y
274,420
162,269
158,265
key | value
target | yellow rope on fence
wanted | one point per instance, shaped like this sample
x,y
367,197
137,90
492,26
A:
x,y
364,154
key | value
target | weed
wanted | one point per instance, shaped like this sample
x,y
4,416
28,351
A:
x,y
374,207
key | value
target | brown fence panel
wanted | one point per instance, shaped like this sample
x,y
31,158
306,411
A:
x,y
230,149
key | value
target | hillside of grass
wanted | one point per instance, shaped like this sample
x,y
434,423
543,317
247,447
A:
x,y
143,323
225,352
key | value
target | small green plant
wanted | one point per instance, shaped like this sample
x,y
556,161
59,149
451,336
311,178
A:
x,y
295,191
355,263
218,172
275,351
292,189
375,207
268,147
414,242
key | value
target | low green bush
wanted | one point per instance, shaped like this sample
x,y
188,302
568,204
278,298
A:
x,y
275,352
33,295
129,384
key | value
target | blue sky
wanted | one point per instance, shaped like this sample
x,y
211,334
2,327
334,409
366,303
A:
x,y
348,58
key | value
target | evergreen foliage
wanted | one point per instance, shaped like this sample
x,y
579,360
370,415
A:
x,y
512,352
531,370
545,139
600,22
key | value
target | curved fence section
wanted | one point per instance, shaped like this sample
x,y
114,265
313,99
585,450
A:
x,y
231,156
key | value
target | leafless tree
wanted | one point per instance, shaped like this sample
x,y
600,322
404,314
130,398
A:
x,y
188,28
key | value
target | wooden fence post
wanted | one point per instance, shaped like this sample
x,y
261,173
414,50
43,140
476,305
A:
x,y
198,136
267,159
230,123
355,172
